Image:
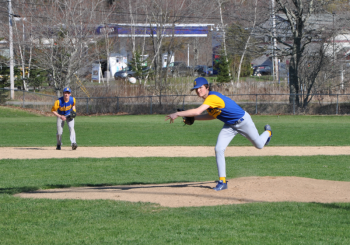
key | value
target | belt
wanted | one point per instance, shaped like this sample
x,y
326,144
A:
x,y
238,121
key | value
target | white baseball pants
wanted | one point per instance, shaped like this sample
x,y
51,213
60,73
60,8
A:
x,y
60,125
228,132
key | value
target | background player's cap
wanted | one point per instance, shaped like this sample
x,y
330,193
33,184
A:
x,y
67,90
198,82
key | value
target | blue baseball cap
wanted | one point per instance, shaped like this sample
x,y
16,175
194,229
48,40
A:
x,y
198,82
67,90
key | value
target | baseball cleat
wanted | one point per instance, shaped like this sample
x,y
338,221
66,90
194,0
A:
x,y
220,186
58,147
268,128
74,146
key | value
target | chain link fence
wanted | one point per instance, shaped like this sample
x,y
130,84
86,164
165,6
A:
x,y
321,104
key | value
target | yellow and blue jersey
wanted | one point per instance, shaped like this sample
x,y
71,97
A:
x,y
62,107
223,108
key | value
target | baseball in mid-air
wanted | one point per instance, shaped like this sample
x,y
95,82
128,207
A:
x,y
132,80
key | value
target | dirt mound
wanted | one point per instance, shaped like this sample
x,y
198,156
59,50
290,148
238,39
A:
x,y
241,190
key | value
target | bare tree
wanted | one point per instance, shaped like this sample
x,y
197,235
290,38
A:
x,y
248,40
242,42
222,24
63,37
162,17
20,40
313,68
298,13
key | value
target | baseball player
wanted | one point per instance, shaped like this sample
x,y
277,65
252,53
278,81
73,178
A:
x,y
64,110
235,119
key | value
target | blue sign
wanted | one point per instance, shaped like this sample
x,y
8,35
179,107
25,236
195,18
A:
x,y
183,31
109,29
145,30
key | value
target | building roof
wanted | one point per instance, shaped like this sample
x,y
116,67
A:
x,y
314,22
262,60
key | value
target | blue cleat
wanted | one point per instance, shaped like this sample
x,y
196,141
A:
x,y
220,186
268,127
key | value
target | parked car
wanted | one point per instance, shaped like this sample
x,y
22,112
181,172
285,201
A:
x,y
124,73
201,70
212,71
128,72
262,70
178,69
267,70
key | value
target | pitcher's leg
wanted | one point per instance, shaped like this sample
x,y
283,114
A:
x,y
71,131
225,136
60,125
247,129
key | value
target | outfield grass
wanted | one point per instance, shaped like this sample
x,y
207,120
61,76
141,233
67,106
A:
x,y
41,221
23,129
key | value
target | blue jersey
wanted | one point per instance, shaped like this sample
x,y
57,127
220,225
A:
x,y
62,107
223,108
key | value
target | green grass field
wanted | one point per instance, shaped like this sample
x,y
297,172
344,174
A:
x,y
22,129
41,221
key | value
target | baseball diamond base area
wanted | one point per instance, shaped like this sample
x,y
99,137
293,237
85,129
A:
x,y
241,190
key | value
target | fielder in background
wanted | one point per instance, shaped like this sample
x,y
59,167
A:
x,y
64,110
235,119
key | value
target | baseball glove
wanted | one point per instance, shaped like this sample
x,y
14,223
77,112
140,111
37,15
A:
x,y
72,115
187,120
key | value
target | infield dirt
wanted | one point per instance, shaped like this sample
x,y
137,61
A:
x,y
165,151
241,190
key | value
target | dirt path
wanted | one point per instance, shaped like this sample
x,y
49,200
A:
x,y
241,190
163,151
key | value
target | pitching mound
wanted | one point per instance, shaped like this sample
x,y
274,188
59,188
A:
x,y
241,190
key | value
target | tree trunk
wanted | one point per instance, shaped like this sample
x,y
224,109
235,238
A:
x,y
242,58
293,81
247,43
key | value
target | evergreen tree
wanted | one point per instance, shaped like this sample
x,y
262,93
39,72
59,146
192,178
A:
x,y
37,77
5,78
223,68
4,82
136,64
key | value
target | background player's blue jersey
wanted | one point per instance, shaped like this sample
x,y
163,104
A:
x,y
62,107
